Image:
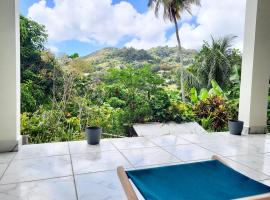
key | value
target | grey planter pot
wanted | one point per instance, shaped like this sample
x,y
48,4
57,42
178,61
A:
x,y
235,127
93,134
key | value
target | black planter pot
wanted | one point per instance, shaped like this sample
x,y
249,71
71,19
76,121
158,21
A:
x,y
93,134
235,127
129,130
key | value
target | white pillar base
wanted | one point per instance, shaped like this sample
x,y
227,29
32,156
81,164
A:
x,y
10,145
254,130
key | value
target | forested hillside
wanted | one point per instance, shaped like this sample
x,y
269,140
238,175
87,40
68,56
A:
x,y
162,58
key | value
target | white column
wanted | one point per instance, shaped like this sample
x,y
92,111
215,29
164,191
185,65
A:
x,y
255,67
9,76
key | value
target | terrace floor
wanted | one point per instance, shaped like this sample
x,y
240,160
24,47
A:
x,y
75,170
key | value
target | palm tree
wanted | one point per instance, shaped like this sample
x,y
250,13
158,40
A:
x,y
172,10
214,62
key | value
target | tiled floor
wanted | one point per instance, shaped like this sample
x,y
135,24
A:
x,y
75,170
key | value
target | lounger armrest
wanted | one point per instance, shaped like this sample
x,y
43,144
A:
x,y
131,195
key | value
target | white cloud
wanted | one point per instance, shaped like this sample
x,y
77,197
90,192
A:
x,y
52,48
101,22
97,21
216,18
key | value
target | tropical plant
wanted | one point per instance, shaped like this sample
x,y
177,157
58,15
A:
x,y
159,104
181,112
235,79
173,10
137,85
213,62
48,126
214,109
204,93
32,39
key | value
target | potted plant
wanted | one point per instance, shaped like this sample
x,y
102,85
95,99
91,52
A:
x,y
235,126
93,132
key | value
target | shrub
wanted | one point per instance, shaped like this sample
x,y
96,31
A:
x,y
116,102
159,104
215,109
181,112
110,119
49,126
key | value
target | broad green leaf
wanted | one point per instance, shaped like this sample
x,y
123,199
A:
x,y
216,90
204,94
193,95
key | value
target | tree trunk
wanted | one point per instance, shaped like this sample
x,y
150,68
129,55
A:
x,y
180,55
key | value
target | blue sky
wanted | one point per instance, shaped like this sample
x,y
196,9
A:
x,y
84,26
71,46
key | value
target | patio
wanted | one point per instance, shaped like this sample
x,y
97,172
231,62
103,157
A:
x,y
74,170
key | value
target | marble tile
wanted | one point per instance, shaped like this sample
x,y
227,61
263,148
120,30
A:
x,y
189,152
251,173
194,127
259,162
148,156
132,143
226,149
42,150
151,129
200,138
158,129
99,186
7,157
51,189
98,161
38,168
168,140
78,147
3,167
262,147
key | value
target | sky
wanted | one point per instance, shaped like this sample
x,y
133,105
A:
x,y
84,26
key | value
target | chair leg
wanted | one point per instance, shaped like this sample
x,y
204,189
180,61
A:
x,y
131,195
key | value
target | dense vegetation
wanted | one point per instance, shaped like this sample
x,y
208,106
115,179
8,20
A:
x,y
115,88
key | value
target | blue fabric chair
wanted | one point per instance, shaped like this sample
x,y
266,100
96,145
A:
x,y
208,180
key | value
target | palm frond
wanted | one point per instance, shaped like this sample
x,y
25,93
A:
x,y
190,79
172,8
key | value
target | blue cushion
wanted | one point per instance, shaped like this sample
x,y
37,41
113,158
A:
x,y
203,180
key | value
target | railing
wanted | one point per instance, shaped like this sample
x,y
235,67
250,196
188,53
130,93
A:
x,y
107,135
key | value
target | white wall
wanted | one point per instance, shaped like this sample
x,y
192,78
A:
x,y
9,75
255,67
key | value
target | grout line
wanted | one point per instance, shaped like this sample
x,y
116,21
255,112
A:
x,y
42,179
41,157
179,145
9,163
96,172
123,155
156,146
73,175
163,148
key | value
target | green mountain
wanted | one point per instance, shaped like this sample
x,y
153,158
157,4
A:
x,y
160,58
